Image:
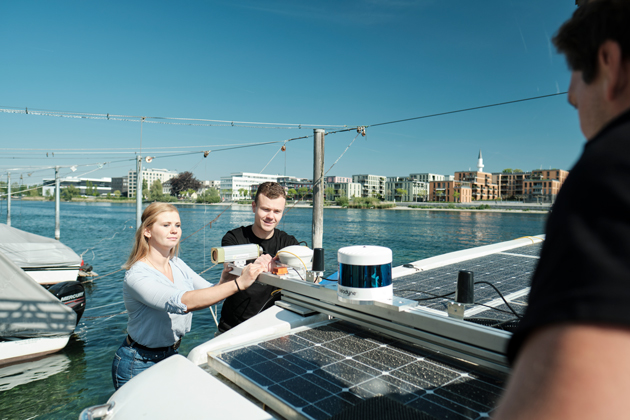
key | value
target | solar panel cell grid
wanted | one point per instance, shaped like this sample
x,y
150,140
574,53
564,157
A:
x,y
510,272
321,371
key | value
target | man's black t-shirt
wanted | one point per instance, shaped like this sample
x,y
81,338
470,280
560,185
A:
x,y
248,303
584,271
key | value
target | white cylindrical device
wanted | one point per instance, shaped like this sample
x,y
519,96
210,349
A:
x,y
365,274
235,253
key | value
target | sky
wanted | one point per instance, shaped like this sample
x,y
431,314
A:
x,y
292,65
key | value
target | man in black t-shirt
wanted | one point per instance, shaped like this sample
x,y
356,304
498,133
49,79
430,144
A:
x,y
570,350
268,207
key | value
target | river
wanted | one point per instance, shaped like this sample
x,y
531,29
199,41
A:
x,y
103,233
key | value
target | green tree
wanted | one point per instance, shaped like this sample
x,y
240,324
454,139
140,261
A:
x,y
211,195
145,189
36,191
302,191
330,193
117,194
518,171
508,171
156,193
456,195
400,193
69,192
243,192
89,188
183,182
342,201
291,193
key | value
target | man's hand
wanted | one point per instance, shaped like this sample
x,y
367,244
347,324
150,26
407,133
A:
x,y
265,261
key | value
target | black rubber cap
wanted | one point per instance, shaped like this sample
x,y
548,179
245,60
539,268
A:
x,y
465,287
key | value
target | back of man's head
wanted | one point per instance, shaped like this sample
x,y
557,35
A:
x,y
591,25
270,190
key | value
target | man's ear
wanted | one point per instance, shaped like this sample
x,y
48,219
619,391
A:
x,y
614,68
254,206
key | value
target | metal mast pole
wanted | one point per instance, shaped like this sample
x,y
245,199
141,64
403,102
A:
x,y
57,226
139,192
318,188
8,198
139,182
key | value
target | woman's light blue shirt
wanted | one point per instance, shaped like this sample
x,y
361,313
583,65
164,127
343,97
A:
x,y
157,317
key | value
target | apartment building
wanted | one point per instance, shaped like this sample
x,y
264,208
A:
x,y
120,184
238,185
510,184
451,191
343,189
150,175
371,185
543,185
427,177
337,180
406,189
481,184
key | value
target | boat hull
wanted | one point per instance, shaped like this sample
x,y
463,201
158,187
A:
x,y
18,350
52,275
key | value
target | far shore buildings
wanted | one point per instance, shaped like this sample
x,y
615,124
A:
x,y
100,186
462,187
406,189
150,175
341,187
238,185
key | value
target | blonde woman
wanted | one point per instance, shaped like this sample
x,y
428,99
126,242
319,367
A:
x,y
160,291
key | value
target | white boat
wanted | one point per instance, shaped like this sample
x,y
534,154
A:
x,y
46,260
33,322
315,356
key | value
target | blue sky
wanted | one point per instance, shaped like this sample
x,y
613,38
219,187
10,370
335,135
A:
x,y
316,63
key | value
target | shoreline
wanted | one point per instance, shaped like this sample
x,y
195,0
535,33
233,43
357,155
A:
x,y
404,208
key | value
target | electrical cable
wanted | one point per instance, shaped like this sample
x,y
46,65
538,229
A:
x,y
136,118
268,300
501,295
434,296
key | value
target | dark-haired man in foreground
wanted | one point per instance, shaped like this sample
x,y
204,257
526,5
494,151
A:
x,y
571,348
268,207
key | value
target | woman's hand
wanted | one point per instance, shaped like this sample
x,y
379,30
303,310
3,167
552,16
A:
x,y
225,274
202,298
249,275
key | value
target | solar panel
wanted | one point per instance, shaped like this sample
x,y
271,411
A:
x,y
509,271
320,372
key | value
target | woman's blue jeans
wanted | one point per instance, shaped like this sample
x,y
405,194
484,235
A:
x,y
130,361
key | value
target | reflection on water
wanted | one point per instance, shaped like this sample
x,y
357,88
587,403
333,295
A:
x,y
35,370
104,233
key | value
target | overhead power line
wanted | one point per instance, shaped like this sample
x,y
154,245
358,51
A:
x,y
466,109
163,120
